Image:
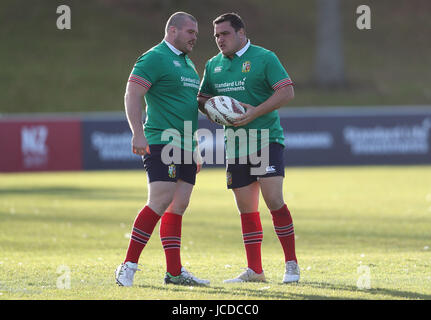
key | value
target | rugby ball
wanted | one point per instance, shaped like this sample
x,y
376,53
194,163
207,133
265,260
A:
x,y
223,110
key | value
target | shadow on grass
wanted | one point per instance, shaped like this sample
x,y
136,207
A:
x,y
218,292
53,198
75,193
394,294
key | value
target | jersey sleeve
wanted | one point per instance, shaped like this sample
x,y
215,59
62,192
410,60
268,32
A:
x,y
146,70
275,74
205,89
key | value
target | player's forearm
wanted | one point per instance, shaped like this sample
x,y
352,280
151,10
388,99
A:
x,y
133,107
280,98
201,104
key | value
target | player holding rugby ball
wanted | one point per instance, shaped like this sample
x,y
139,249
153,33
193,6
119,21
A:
x,y
255,77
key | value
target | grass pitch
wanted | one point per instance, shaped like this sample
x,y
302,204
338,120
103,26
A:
x,y
362,233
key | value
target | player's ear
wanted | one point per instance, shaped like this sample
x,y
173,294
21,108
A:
x,y
172,30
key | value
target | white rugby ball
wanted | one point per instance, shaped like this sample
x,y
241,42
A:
x,y
224,110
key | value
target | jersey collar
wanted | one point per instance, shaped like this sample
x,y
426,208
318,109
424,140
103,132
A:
x,y
244,49
174,50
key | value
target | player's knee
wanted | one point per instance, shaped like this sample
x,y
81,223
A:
x,y
274,202
160,203
246,206
179,207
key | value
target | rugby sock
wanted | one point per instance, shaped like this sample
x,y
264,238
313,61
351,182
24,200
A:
x,y
170,234
143,227
283,226
252,235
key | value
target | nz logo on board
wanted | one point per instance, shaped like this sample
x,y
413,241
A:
x,y
34,146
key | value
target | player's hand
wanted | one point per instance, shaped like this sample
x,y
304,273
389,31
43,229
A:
x,y
201,106
198,160
247,117
140,145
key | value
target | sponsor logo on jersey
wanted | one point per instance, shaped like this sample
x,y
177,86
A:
x,y
246,66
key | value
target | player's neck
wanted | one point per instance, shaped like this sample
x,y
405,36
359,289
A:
x,y
172,43
243,43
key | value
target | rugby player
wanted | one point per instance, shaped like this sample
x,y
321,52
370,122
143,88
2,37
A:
x,y
167,79
254,76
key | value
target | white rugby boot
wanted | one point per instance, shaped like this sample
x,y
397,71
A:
x,y
125,273
248,276
291,273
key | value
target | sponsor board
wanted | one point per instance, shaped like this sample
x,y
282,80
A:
x,y
107,145
358,139
313,137
40,145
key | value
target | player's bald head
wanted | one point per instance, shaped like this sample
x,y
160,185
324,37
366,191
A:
x,y
178,20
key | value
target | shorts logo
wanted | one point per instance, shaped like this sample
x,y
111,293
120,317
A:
x,y
172,171
228,178
270,169
246,66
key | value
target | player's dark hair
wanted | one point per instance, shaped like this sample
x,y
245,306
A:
x,y
234,19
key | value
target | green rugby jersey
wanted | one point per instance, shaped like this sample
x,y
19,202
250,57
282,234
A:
x,y
172,83
251,77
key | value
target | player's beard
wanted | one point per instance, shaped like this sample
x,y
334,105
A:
x,y
184,46
190,45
